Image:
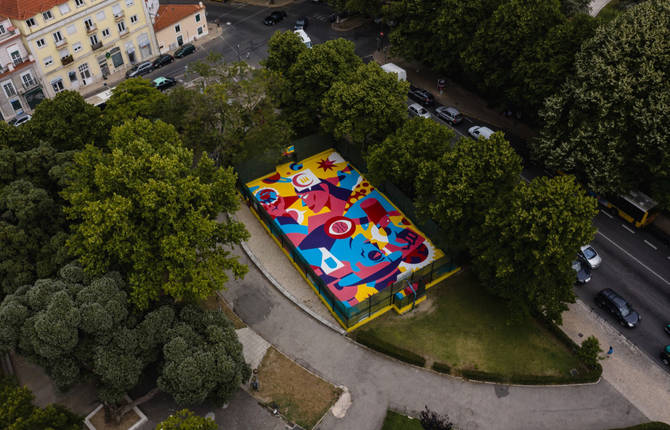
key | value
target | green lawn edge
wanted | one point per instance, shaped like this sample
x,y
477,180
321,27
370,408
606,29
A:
x,y
397,421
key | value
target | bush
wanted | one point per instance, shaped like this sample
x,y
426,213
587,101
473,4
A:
x,y
441,367
587,375
652,425
368,339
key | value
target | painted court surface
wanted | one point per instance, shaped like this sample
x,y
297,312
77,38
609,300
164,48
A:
x,y
353,238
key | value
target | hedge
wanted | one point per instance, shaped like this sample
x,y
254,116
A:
x,y
441,367
652,425
368,339
478,375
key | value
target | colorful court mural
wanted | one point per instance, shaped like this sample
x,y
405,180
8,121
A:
x,y
354,239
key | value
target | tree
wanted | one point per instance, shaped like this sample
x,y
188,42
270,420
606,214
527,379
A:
x,y
514,26
77,327
399,156
365,7
527,243
588,352
575,7
366,107
431,420
458,189
66,122
17,411
609,125
310,77
133,98
284,48
16,138
141,208
186,420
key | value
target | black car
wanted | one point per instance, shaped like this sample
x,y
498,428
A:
x,y
274,17
301,23
163,60
421,96
184,50
617,306
665,355
583,270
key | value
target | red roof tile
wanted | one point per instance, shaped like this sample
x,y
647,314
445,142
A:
x,y
172,13
24,9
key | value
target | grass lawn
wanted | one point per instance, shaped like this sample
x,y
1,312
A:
x,y
396,421
299,395
464,326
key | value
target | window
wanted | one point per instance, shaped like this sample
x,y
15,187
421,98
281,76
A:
x,y
47,15
48,61
8,86
64,8
40,43
63,53
105,32
130,2
28,80
30,22
71,29
84,72
100,15
177,29
78,3
117,58
58,37
122,26
133,19
199,30
57,85
94,39
116,10
16,104
88,22
76,47
197,17
2,29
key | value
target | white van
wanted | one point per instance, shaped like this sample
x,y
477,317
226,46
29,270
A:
x,y
392,68
304,37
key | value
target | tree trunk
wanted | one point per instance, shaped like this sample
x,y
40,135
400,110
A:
x,y
118,411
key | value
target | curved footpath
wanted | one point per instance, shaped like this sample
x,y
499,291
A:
x,y
377,382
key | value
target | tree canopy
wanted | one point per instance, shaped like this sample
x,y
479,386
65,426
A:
x,y
133,98
186,420
610,123
141,208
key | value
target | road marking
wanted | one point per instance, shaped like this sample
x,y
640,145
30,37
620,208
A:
x,y
635,259
650,244
607,213
627,228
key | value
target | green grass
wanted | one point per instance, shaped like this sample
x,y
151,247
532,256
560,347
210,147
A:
x,y
396,421
467,328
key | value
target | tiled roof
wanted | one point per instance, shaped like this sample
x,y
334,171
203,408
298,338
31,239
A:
x,y
172,13
24,9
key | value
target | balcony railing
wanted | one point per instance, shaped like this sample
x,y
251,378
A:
x,y
91,29
29,85
66,60
18,61
8,33
96,46
119,16
61,42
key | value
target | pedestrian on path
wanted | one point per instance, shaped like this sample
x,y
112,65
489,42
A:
x,y
610,351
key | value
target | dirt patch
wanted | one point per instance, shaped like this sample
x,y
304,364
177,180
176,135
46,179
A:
x,y
299,395
127,421
216,303
425,307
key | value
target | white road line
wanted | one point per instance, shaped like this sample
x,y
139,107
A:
x,y
635,259
650,244
607,213
627,228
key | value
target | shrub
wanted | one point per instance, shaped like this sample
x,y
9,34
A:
x,y
370,340
441,367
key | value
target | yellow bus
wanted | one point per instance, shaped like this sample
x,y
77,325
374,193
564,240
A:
x,y
635,207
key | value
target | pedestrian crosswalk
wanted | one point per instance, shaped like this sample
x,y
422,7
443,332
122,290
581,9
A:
x,y
320,17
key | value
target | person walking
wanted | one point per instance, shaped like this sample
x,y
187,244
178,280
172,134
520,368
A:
x,y
610,351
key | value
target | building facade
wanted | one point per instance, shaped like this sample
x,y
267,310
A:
x,y
19,77
176,24
75,43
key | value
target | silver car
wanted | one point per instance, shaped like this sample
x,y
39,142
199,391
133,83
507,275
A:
x,y
591,256
416,109
449,114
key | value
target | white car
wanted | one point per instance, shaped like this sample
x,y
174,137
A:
x,y
416,109
478,132
20,119
591,256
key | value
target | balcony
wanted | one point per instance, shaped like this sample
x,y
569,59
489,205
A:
x,y
61,43
30,85
96,46
9,33
66,60
119,16
18,61
90,29
124,33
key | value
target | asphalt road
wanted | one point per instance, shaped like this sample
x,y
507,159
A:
x,y
635,264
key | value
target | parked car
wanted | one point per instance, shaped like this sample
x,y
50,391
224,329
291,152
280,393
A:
x,y
163,60
140,69
422,96
21,118
274,17
184,50
667,328
449,114
618,307
163,83
591,256
478,131
301,23
581,267
665,355
416,109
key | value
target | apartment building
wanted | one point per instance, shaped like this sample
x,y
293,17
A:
x,y
75,43
19,78
176,24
